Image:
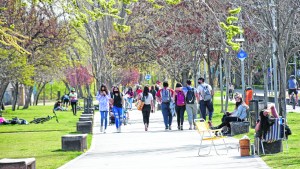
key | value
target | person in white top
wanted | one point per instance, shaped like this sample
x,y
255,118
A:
x,y
204,102
74,100
148,107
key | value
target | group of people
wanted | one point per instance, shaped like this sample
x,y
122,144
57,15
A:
x,y
186,98
71,98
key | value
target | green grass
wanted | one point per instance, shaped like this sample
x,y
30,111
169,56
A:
x,y
42,141
286,159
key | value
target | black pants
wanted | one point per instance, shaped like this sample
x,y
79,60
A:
x,y
74,107
146,113
227,119
180,114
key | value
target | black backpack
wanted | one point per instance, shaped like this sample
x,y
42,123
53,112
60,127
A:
x,y
190,96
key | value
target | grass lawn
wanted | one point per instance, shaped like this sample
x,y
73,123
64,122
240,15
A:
x,y
42,141
286,159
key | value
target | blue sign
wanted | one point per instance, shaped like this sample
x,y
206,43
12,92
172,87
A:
x,y
242,55
147,77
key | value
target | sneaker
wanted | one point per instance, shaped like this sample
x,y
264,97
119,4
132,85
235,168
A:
x,y
104,131
119,129
101,129
181,127
178,127
167,128
170,128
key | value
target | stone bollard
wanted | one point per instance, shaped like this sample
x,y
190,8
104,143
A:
x,y
85,118
74,142
239,127
87,115
84,126
22,163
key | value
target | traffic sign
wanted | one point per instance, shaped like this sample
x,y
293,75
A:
x,y
242,55
147,77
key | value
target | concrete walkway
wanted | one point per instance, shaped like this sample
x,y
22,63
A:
x,y
156,149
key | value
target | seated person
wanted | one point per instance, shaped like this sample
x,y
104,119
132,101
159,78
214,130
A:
x,y
57,106
239,113
65,99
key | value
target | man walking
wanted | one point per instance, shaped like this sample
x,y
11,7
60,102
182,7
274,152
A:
x,y
205,100
164,96
191,97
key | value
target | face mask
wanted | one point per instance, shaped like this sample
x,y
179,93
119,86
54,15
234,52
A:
x,y
199,82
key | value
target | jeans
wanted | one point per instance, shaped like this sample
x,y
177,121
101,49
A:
x,y
146,113
167,115
191,110
104,118
209,106
118,113
130,100
227,119
74,107
180,114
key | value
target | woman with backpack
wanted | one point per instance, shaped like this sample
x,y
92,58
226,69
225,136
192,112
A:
x,y
147,98
179,106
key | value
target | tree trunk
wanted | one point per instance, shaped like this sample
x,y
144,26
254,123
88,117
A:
x,y
39,91
3,86
185,74
15,96
28,97
265,73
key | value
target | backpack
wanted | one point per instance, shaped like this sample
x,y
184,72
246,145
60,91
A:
x,y
190,96
165,95
180,100
206,93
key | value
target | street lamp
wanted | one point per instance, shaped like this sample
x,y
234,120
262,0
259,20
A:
x,y
242,55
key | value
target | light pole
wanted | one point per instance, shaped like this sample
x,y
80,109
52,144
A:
x,y
242,56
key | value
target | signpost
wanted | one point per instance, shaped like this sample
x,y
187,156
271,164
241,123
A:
x,y
147,77
242,55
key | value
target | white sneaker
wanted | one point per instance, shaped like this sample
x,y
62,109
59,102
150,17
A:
x,y
101,129
119,129
104,131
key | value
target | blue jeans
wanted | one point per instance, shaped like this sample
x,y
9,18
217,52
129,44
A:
x,y
118,113
167,115
130,100
104,118
209,106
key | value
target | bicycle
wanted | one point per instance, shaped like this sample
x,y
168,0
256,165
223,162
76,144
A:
x,y
293,101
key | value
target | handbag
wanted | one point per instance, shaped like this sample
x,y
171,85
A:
x,y
140,103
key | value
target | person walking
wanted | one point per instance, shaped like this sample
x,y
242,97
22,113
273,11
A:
x,y
205,100
130,95
147,97
117,102
103,98
165,96
179,106
74,100
153,91
191,103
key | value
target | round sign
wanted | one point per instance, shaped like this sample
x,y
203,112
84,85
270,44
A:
x,y
242,54
147,77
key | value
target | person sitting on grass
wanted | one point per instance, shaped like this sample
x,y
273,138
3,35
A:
x,y
239,114
58,106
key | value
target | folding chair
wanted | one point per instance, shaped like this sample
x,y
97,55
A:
x,y
202,128
276,133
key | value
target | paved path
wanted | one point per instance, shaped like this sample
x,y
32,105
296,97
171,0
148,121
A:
x,y
156,149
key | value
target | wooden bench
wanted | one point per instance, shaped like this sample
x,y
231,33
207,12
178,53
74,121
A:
x,y
22,163
84,126
74,142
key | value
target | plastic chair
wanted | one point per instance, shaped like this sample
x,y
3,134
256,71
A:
x,y
202,128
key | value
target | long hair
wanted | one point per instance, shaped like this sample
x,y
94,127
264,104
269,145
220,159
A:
x,y
105,89
237,104
146,91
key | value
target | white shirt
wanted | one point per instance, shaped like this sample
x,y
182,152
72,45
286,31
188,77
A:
x,y
200,89
148,98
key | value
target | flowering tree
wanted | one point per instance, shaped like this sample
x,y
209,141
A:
x,y
130,76
79,76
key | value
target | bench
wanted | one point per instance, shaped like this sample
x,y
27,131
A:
x,y
84,126
74,142
22,163
240,127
